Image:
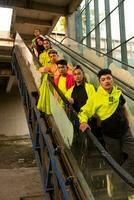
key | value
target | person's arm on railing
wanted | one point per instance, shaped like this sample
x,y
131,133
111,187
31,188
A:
x,y
86,112
84,126
44,69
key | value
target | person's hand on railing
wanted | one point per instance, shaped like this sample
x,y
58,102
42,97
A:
x,y
84,126
33,46
44,69
71,100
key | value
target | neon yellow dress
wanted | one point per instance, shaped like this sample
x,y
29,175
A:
x,y
44,98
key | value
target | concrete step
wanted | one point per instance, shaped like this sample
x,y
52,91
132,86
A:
x,y
36,197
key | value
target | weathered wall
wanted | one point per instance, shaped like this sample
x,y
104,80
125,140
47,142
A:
x,y
12,117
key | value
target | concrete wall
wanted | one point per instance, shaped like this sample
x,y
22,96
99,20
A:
x,y
70,26
12,116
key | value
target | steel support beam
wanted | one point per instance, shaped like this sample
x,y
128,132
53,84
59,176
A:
x,y
108,27
87,23
78,25
108,31
124,58
97,30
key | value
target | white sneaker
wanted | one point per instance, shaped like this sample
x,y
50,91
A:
x,y
110,186
131,197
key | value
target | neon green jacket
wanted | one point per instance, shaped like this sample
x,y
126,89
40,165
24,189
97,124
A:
x,y
44,58
89,90
100,104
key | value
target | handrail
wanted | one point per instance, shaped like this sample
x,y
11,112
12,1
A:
x,y
120,45
63,47
37,129
120,171
101,53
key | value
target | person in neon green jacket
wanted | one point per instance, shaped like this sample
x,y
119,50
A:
x,y
78,94
110,106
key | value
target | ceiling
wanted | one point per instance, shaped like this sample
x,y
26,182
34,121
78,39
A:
x,y
32,14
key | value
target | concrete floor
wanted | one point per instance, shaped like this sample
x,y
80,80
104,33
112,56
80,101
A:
x,y
18,183
19,176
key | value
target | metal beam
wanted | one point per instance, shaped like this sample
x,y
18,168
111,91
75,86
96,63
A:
x,y
108,27
124,57
78,25
108,31
97,30
87,10
39,22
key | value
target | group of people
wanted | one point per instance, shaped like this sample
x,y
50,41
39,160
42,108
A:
x,y
107,103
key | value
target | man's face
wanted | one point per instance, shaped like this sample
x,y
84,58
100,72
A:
x,y
36,32
53,57
62,69
106,81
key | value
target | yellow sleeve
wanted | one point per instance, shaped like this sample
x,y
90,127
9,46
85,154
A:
x,y
87,111
41,59
69,93
44,59
90,90
34,41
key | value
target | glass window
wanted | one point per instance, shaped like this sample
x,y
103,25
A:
x,y
92,21
93,45
117,54
82,4
115,30
129,15
130,52
85,41
113,4
83,23
103,42
101,10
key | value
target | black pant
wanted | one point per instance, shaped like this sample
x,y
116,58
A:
x,y
118,146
